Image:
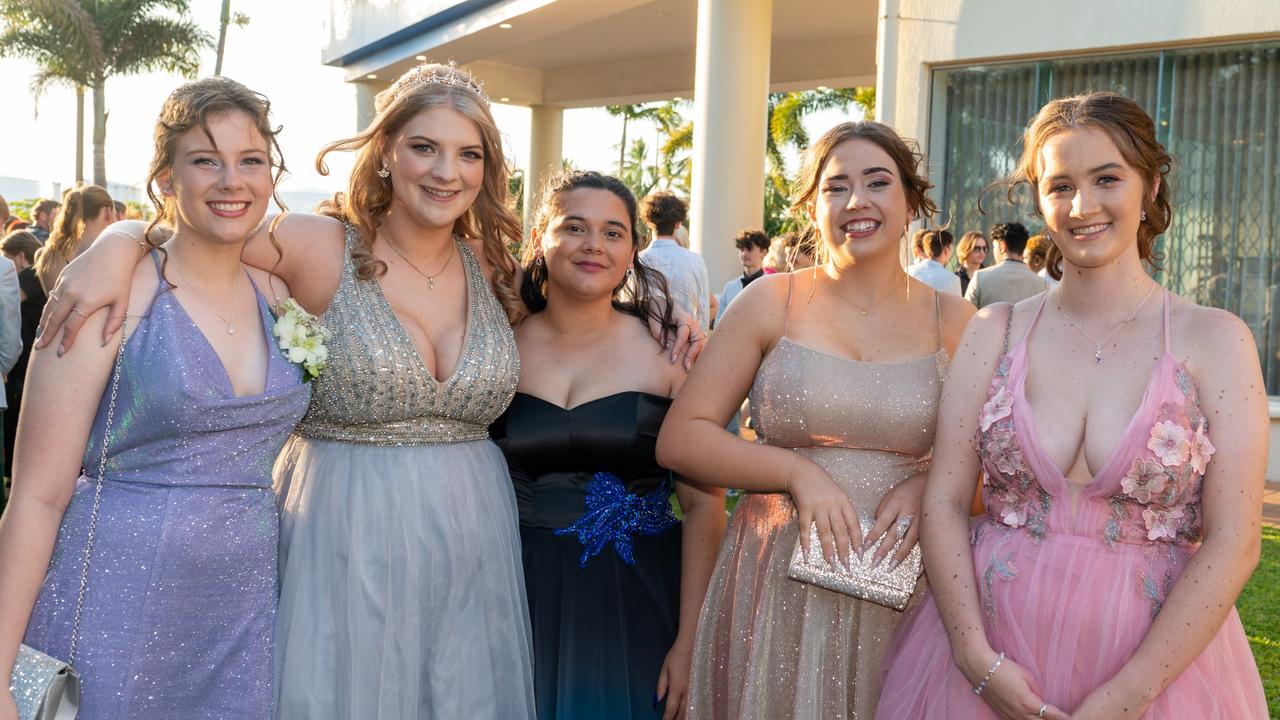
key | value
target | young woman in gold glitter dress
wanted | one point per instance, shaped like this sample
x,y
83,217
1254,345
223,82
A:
x,y
844,365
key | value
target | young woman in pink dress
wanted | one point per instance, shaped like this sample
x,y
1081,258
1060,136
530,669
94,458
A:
x,y
1117,535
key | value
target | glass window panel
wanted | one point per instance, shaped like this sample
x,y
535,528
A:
x,y
1217,110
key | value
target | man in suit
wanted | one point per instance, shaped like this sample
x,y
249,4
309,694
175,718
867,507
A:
x,y
1011,280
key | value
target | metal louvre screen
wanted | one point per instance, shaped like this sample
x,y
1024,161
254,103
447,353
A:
x,y
1217,110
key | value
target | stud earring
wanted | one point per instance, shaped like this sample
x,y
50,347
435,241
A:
x,y
384,173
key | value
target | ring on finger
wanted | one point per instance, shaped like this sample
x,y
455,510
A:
x,y
1043,707
76,309
903,525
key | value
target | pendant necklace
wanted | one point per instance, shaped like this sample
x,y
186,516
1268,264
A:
x,y
866,310
235,303
1097,346
431,279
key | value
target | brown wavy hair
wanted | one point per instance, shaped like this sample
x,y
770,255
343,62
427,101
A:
x,y
78,205
191,106
1134,134
368,197
906,156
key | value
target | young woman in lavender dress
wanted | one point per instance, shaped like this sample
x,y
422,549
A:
x,y
178,616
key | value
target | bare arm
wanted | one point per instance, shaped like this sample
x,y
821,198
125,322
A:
x,y
704,522
60,403
944,533
694,442
309,261
1233,398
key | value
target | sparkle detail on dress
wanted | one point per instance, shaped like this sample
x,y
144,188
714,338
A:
x,y
616,516
377,391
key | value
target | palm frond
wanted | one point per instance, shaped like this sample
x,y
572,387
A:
x,y
159,44
51,32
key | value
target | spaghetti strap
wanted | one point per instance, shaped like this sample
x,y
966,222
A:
x,y
1167,344
937,311
1030,326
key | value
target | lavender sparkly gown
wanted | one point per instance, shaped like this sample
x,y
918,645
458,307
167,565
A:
x,y
179,614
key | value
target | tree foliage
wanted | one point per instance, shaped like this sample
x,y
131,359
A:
x,y
84,42
669,166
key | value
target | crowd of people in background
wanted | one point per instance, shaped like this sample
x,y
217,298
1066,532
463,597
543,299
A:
x,y
368,463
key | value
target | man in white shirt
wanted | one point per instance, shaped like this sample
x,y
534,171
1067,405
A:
x,y
932,271
685,270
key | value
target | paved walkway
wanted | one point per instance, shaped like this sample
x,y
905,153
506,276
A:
x,y
1271,504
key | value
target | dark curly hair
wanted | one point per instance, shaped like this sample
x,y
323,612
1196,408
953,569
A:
x,y
646,298
664,210
751,237
1013,235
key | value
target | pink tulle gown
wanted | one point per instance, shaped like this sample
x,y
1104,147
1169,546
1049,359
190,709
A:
x,y
1069,593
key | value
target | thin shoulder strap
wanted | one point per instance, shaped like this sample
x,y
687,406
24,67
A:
x,y
1168,347
1008,324
937,311
786,313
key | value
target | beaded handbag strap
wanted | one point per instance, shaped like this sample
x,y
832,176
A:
x,y
97,496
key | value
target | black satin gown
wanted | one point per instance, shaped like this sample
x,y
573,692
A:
x,y
601,550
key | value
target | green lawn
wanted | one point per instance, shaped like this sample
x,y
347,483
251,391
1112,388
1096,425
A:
x,y
1260,612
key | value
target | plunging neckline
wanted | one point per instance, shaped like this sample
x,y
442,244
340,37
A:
x,y
1025,422
407,340
272,350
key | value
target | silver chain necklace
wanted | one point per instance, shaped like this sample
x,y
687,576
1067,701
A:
x,y
1097,346
235,301
431,279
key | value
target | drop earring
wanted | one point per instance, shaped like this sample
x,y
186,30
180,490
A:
x,y
384,173
1144,216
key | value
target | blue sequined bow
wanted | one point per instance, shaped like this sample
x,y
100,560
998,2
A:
x,y
615,515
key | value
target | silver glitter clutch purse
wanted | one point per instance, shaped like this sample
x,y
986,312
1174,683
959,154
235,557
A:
x,y
877,584
43,687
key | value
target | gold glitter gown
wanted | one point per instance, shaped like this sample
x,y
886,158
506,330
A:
x,y
772,648
401,593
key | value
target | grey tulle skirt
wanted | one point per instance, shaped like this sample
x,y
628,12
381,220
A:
x,y
401,594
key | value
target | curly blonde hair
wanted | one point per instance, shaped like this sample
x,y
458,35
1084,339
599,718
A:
x,y
368,197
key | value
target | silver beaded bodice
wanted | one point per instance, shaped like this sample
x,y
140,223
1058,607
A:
x,y
376,390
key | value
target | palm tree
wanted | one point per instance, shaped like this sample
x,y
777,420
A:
x,y
85,42
628,113
227,18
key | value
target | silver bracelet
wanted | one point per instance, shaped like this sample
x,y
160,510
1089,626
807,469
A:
x,y
983,685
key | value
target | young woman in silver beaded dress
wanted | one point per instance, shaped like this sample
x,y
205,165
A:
x,y
401,587
844,364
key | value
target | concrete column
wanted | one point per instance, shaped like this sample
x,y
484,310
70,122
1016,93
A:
x,y
365,93
887,20
546,143
731,90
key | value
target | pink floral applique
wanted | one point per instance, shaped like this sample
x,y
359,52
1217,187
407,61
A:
x,y
1162,523
1169,442
1004,452
1013,510
998,407
1201,450
1146,480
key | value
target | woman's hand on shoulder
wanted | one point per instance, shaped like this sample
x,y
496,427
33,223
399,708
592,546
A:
x,y
98,278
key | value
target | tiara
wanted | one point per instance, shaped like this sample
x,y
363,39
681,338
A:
x,y
436,74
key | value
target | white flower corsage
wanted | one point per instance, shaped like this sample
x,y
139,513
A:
x,y
302,337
